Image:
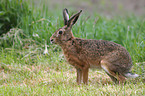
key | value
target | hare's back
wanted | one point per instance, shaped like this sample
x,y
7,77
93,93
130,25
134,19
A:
x,y
100,46
100,49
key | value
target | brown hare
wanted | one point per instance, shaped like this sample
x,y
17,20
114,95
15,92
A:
x,y
86,53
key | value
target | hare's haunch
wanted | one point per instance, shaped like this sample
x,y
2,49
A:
x,y
86,53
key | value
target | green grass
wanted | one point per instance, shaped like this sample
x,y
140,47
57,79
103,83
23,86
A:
x,y
24,70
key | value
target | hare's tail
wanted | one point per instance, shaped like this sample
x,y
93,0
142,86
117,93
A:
x,y
130,75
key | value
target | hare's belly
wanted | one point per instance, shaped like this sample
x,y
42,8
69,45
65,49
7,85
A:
x,y
80,61
95,67
95,64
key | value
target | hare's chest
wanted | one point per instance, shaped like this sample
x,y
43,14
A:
x,y
74,60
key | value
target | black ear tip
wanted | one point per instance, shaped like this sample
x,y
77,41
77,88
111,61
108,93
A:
x,y
65,9
80,11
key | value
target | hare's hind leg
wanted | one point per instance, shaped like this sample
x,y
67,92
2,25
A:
x,y
115,76
112,78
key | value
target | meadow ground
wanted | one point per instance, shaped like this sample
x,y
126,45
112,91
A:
x,y
24,70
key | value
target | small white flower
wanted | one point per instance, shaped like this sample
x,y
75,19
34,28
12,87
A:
x,y
128,28
46,50
35,35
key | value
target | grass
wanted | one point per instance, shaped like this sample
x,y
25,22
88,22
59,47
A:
x,y
24,70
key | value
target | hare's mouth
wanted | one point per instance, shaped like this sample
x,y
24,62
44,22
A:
x,y
52,41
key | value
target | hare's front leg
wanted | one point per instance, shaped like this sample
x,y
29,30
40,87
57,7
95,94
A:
x,y
82,73
85,75
79,76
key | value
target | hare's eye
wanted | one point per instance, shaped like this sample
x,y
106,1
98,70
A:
x,y
60,32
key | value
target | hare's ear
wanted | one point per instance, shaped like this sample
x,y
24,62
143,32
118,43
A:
x,y
65,16
73,19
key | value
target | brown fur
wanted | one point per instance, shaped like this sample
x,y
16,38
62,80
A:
x,y
86,53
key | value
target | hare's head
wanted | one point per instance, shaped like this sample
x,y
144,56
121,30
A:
x,y
64,34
